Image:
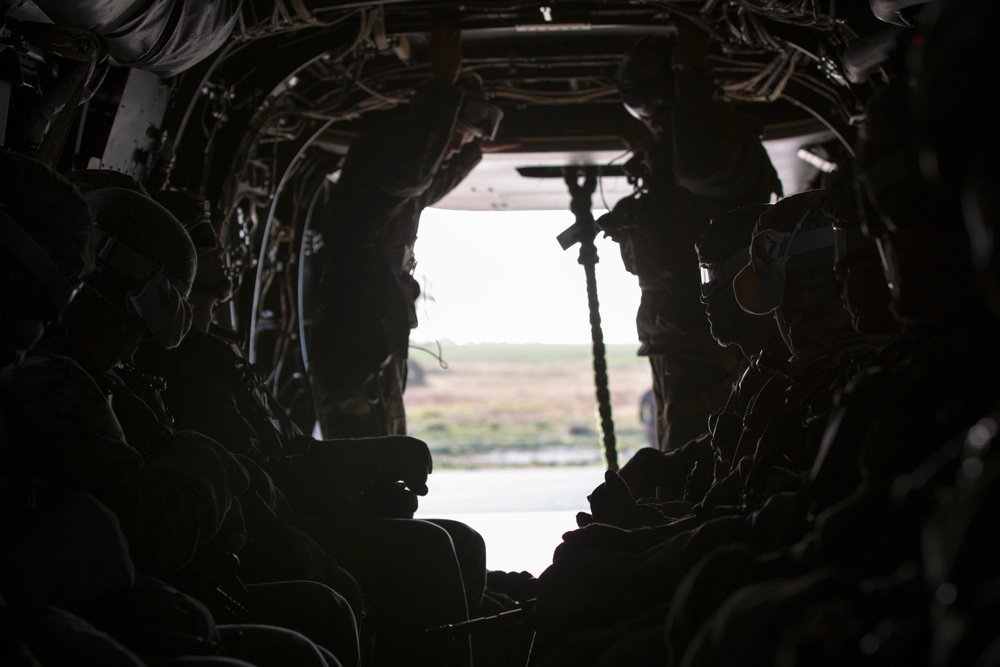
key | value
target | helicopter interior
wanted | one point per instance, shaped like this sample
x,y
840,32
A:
x,y
254,104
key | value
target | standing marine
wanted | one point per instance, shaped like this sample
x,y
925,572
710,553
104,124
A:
x,y
703,159
360,335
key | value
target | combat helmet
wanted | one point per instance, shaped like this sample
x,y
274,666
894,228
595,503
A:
x,y
146,262
792,246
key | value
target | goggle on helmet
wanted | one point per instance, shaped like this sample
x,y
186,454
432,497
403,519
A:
x,y
760,285
480,117
716,276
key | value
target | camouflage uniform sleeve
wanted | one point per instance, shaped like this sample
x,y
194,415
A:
x,y
61,432
419,142
209,407
264,502
41,559
307,480
717,154
453,172
389,167
209,393
185,497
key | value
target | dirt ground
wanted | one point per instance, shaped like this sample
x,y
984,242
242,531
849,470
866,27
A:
x,y
522,404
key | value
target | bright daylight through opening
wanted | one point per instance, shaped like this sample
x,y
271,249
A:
x,y
510,412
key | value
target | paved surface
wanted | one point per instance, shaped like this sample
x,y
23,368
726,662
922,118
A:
x,y
521,513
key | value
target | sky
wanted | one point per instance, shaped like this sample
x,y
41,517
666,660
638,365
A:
x,y
501,277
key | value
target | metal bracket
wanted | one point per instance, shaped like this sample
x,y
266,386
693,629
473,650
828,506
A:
x,y
72,43
581,181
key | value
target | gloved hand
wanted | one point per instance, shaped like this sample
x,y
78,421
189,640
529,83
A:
x,y
642,472
612,503
613,493
602,537
358,465
599,536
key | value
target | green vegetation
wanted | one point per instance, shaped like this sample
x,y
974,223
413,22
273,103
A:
x,y
523,404
510,353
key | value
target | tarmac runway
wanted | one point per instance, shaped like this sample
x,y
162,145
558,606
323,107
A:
x,y
520,512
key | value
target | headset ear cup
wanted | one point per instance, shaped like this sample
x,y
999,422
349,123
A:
x,y
164,310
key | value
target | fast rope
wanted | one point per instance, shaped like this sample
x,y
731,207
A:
x,y
581,183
